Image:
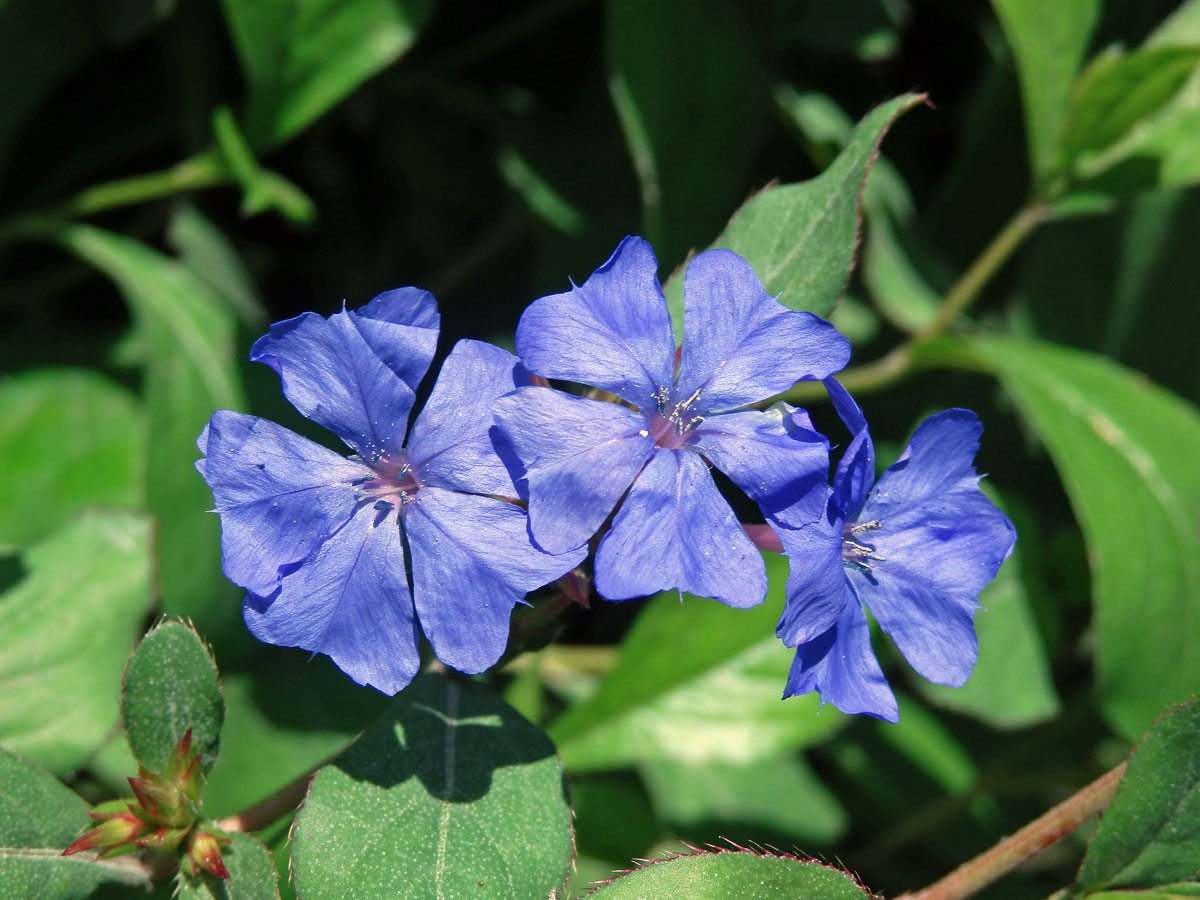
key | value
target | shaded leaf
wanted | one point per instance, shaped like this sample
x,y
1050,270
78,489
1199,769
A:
x,y
303,56
450,794
190,372
1117,91
1150,833
782,793
713,697
740,875
1125,450
39,818
171,687
251,875
210,256
70,439
65,632
668,86
801,238
1049,42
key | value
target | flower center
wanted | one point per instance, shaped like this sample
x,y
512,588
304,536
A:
x,y
393,484
673,423
855,553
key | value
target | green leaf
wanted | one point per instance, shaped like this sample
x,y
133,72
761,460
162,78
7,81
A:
x,y
190,333
1010,686
1125,450
171,686
65,632
713,697
898,290
1049,42
301,57
1117,91
251,875
262,190
1150,833
733,875
668,85
70,439
1183,891
782,793
451,794
210,256
39,818
269,740
801,238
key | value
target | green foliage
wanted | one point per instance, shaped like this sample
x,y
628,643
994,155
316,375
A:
x,y
801,238
303,56
733,875
1049,42
38,818
251,875
450,794
70,439
1150,834
714,697
1125,451
188,333
66,629
1011,686
782,793
171,686
690,115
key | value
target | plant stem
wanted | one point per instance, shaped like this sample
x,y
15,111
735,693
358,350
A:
x,y
204,170
973,876
994,255
263,813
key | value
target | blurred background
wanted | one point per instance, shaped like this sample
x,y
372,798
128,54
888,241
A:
x,y
175,175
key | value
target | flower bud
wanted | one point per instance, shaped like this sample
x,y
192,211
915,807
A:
x,y
118,828
204,852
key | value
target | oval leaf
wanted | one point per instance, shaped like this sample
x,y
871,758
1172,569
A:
x,y
1150,834
171,686
65,633
1126,452
450,794
39,817
801,238
69,439
733,875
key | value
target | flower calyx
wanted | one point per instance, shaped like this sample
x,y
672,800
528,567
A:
x,y
162,815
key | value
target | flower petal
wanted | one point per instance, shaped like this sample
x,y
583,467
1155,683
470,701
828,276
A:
x,y
774,456
739,344
449,443
817,590
856,469
279,495
938,542
350,601
579,456
472,561
356,373
612,332
675,530
841,665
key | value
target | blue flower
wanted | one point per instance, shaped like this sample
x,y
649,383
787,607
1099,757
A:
x,y
917,549
341,555
581,455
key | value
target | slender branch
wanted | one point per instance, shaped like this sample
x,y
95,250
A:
x,y
978,873
201,171
986,265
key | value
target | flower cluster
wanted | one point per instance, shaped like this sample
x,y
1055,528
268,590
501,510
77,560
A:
x,y
503,484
